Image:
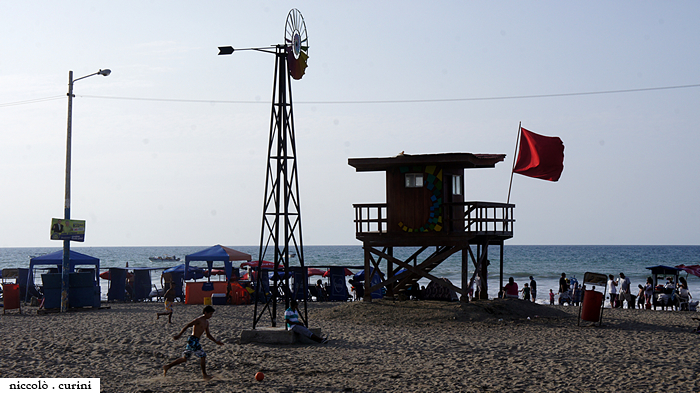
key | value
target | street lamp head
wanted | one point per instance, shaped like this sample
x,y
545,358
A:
x,y
104,72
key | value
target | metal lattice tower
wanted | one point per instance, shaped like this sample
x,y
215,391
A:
x,y
280,236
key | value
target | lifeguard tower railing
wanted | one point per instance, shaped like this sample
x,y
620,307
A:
x,y
370,218
479,219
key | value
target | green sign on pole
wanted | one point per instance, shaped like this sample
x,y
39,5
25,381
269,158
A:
x,y
73,230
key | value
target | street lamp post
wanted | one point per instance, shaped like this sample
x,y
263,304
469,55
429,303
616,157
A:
x,y
66,243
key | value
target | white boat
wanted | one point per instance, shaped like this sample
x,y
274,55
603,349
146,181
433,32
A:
x,y
164,259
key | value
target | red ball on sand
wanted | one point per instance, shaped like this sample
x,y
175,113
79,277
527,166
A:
x,y
259,376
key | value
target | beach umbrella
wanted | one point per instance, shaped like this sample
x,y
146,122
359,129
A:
x,y
360,276
106,275
193,272
327,273
312,271
692,269
265,265
215,272
280,274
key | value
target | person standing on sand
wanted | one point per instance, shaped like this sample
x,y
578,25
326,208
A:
x,y
649,293
199,325
640,297
612,290
564,296
169,299
577,294
551,297
533,288
624,292
526,292
563,285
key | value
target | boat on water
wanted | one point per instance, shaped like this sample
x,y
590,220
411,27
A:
x,y
164,259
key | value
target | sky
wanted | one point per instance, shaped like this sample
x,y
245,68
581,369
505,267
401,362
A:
x,y
171,148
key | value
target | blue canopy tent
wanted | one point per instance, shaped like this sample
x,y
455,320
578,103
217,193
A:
x,y
663,272
216,253
55,259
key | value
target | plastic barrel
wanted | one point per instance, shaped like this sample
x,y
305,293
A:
x,y
592,301
207,301
12,296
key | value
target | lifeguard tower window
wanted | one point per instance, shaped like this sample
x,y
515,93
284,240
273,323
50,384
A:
x,y
414,180
456,185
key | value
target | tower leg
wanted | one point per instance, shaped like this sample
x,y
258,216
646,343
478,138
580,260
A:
x,y
484,271
465,277
368,280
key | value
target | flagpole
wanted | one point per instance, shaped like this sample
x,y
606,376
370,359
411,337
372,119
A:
x,y
515,156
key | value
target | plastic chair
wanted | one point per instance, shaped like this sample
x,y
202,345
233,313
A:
x,y
156,293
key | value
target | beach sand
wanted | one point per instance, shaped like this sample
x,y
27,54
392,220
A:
x,y
382,346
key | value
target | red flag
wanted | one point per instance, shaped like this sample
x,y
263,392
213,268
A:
x,y
540,156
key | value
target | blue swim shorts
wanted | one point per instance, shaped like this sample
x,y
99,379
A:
x,y
193,348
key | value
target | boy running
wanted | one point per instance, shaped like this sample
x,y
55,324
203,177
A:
x,y
199,325
169,298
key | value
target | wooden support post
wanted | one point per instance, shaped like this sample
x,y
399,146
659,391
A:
x,y
484,273
389,270
500,287
465,276
368,278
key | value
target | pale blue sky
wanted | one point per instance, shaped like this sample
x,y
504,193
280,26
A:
x,y
184,173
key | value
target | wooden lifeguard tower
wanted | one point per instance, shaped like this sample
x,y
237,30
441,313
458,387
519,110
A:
x,y
425,209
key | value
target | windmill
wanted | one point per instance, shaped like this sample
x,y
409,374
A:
x,y
280,235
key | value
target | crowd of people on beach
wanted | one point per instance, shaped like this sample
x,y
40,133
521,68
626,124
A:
x,y
672,295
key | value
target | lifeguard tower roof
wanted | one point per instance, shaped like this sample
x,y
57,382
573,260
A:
x,y
458,160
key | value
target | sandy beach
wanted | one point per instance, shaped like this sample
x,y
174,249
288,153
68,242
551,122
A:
x,y
382,346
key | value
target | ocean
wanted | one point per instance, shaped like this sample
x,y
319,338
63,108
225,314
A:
x,y
544,263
